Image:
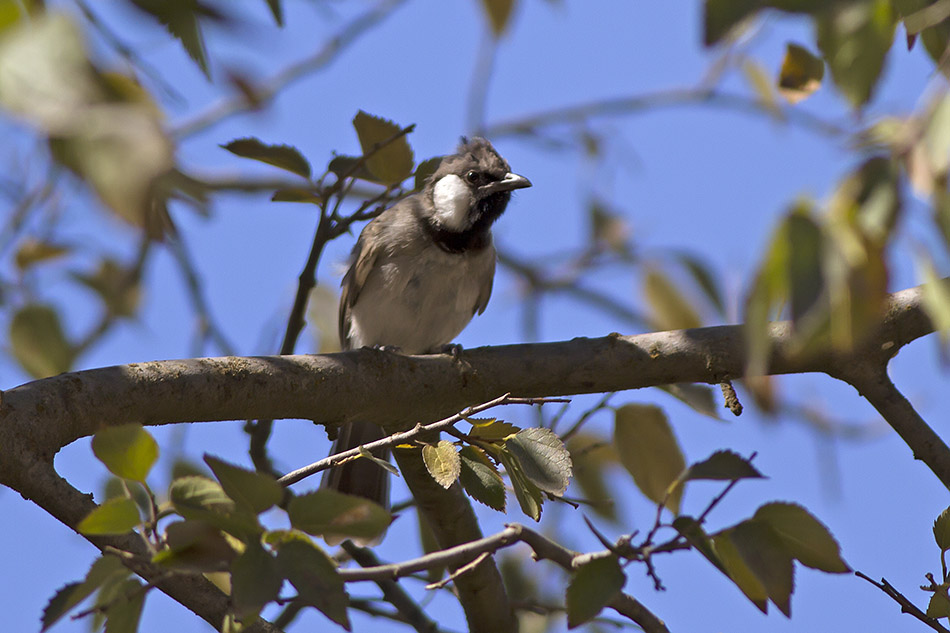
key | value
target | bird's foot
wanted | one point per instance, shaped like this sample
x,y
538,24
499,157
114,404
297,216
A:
x,y
452,349
389,349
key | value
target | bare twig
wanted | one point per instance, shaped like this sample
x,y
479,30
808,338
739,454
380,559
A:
x,y
906,605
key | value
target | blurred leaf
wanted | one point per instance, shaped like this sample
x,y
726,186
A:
x,y
38,342
803,536
297,194
649,451
543,458
935,297
671,310
591,455
329,513
705,279
181,18
761,83
721,16
764,554
12,11
528,495
722,465
393,163
443,462
942,530
285,157
184,467
424,170
255,579
115,516
127,450
801,73
430,544
104,568
323,316
480,479
593,585
195,545
498,13
33,251
123,609
854,38
491,429
251,490
313,574
277,11
120,294
698,397
805,276
607,227
738,570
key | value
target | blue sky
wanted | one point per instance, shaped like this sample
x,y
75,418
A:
x,y
696,178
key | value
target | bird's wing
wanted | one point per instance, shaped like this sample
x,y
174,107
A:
x,y
365,252
484,293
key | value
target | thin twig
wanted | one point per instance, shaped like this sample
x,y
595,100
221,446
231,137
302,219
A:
x,y
906,605
401,438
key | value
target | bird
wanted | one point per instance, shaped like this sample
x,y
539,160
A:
x,y
419,272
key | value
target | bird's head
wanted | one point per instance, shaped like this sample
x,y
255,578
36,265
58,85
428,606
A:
x,y
471,188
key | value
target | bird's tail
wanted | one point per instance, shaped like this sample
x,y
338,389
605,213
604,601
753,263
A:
x,y
360,477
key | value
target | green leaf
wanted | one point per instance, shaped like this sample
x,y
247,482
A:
x,y
935,297
329,513
690,529
939,606
127,450
491,429
528,495
38,342
195,545
764,552
942,530
297,194
255,579
854,39
671,310
499,14
203,499
734,566
721,16
119,293
424,170
349,167
392,163
801,73
803,536
103,569
251,490
594,585
443,463
649,451
285,157
543,458
480,479
722,465
115,516
315,577
124,608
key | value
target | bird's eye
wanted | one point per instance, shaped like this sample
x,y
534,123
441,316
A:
x,y
473,177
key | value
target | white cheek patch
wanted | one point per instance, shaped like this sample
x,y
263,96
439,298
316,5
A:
x,y
452,199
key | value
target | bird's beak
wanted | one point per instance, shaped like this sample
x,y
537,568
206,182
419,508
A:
x,y
509,183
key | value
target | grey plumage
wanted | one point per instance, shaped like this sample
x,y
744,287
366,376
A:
x,y
420,271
